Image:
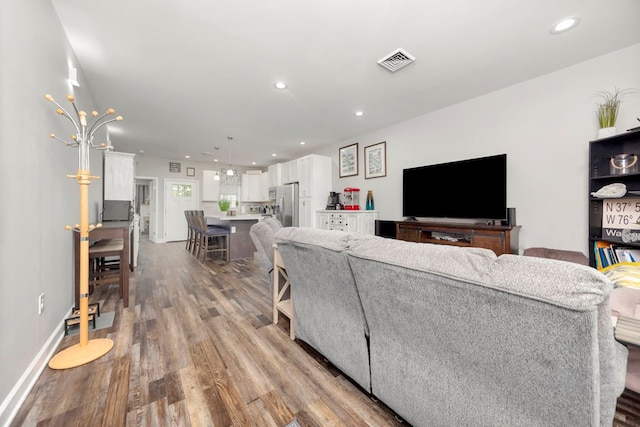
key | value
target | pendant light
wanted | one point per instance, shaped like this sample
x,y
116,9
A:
x,y
230,170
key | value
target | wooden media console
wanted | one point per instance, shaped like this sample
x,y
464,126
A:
x,y
502,239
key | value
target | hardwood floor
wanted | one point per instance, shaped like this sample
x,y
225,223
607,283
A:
x,y
197,347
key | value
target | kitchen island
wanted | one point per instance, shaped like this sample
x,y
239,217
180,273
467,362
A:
x,y
240,243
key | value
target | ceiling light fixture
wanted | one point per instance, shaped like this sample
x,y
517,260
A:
x,y
359,113
229,171
302,142
565,24
280,85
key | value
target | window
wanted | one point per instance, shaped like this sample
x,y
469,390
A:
x,y
181,190
233,198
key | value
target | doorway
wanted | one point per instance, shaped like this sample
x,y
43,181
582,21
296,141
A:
x,y
179,195
147,206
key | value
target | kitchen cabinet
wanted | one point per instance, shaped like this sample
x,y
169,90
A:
x,y
119,176
360,222
314,176
253,187
210,186
265,183
314,186
275,175
305,212
290,171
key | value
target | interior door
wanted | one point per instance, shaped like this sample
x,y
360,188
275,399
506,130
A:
x,y
179,195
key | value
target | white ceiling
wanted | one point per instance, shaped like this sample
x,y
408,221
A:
x,y
186,74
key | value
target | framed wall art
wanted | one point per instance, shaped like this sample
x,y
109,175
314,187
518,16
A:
x,y
174,167
348,158
191,171
375,160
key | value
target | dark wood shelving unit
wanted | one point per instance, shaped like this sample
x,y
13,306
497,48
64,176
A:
x,y
600,153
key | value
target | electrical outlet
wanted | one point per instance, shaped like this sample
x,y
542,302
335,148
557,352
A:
x,y
233,229
41,303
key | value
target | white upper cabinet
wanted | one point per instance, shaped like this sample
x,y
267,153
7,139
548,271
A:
x,y
119,176
290,171
210,186
275,175
315,176
265,183
252,187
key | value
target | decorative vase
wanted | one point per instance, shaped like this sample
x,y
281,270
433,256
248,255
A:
x,y
369,204
606,132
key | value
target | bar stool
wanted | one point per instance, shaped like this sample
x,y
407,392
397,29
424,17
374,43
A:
x,y
211,239
107,262
191,231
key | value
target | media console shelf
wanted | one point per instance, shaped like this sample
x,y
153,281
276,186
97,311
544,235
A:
x,y
502,239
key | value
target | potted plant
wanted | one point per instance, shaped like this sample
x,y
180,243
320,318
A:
x,y
224,204
607,111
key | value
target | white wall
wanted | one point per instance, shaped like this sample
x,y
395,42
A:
x,y
544,125
37,198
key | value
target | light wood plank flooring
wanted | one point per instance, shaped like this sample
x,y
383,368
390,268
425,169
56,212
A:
x,y
196,347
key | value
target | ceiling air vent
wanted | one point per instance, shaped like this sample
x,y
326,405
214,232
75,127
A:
x,y
396,60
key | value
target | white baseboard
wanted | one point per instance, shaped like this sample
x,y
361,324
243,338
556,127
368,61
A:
x,y
11,405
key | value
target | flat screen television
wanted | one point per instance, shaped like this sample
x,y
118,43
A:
x,y
465,189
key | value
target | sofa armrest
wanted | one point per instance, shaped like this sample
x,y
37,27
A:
x,y
625,301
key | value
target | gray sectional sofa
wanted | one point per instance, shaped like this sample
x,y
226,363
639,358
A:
x,y
450,336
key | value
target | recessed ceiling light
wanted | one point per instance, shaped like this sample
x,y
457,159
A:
x,y
565,24
359,113
187,157
280,85
141,151
253,163
302,142
273,155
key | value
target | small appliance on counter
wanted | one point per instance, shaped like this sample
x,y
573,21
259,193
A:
x,y
333,201
351,199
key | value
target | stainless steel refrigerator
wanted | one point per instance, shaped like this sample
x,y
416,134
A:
x,y
286,208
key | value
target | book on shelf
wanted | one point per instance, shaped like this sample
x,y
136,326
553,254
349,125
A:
x,y
627,329
607,254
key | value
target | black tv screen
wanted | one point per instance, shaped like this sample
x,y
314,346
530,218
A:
x,y
466,189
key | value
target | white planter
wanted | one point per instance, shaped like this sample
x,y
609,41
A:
x,y
606,132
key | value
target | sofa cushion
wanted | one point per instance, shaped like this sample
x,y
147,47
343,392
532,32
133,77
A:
x,y
328,311
569,285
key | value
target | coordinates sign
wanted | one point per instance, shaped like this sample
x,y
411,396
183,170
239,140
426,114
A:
x,y
621,220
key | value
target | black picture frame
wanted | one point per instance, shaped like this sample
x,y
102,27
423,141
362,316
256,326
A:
x,y
348,160
191,171
174,167
375,160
